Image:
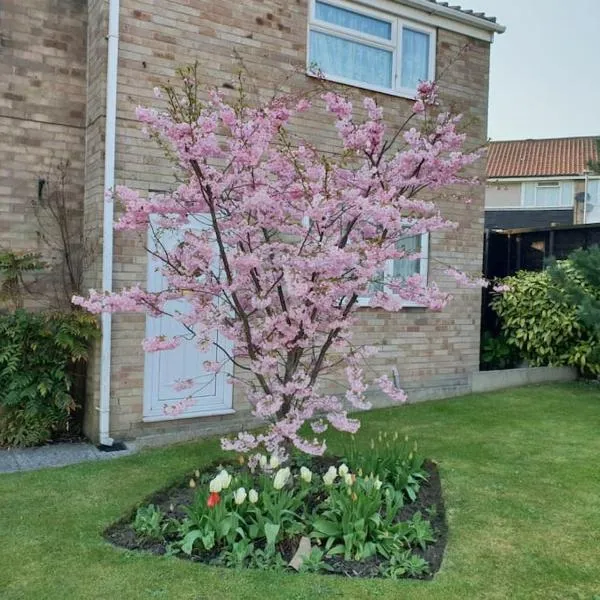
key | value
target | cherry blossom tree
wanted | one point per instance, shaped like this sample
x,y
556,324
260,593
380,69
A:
x,y
279,240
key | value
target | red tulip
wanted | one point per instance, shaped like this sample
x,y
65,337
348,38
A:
x,y
213,500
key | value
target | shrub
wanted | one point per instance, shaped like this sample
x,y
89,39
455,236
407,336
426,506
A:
x,y
539,320
38,353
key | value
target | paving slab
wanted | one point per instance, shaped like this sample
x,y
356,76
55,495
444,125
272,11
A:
x,y
54,455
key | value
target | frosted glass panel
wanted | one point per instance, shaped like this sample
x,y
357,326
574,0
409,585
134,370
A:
x,y
353,20
415,58
351,60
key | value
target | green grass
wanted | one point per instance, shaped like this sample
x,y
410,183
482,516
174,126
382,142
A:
x,y
522,486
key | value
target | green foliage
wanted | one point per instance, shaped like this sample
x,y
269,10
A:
x,y
497,353
13,267
38,352
314,562
247,518
582,290
148,523
404,564
540,321
393,460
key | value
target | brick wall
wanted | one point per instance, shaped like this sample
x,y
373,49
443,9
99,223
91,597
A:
x,y
435,353
42,109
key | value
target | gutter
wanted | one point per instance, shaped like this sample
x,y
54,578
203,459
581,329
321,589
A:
x,y
107,228
433,8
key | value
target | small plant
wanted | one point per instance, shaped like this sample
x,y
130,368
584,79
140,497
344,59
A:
x,y
420,531
314,562
405,564
148,523
394,461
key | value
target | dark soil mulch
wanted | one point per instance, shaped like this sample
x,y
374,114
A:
x,y
429,502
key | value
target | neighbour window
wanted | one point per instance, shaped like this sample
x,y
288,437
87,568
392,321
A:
x,y
404,267
548,194
368,48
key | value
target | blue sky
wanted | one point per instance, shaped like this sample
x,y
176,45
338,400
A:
x,y
545,69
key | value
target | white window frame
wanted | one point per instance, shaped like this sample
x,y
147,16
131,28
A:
x,y
393,45
545,184
365,301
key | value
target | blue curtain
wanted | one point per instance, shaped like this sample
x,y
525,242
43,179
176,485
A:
x,y
415,57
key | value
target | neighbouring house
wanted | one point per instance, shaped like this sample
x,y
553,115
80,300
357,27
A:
x,y
540,183
72,74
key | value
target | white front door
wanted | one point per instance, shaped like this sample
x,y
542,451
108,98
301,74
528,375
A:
x,y
212,394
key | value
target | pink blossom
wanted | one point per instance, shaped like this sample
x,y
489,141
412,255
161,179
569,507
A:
x,y
160,343
465,280
276,241
501,288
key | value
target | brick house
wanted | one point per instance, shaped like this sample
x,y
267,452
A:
x,y
70,90
538,183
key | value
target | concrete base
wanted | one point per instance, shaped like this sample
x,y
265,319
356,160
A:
x,y
488,381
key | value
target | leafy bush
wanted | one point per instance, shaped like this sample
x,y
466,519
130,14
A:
x,y
540,321
583,290
38,352
497,353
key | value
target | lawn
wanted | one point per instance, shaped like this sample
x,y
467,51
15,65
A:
x,y
522,486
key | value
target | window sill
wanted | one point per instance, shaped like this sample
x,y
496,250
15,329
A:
x,y
407,94
362,303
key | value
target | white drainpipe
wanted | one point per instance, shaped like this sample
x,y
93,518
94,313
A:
x,y
107,230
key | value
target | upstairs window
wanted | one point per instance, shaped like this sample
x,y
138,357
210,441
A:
x,y
548,194
368,48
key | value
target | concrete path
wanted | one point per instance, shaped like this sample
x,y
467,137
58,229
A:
x,y
54,455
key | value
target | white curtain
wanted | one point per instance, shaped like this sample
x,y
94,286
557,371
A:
x,y
415,57
353,20
405,267
352,60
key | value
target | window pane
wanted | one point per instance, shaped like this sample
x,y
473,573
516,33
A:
x,y
415,58
344,58
547,196
404,267
353,20
377,284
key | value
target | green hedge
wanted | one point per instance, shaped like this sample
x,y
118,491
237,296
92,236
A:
x,y
38,356
538,319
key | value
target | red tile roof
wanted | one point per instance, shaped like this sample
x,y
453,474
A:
x,y
541,158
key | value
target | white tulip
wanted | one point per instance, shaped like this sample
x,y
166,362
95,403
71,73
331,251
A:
x,y
262,461
348,479
253,496
225,479
378,483
239,496
330,476
305,474
215,485
274,462
343,470
281,478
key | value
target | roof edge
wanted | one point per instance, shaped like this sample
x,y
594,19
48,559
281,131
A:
x,y
455,14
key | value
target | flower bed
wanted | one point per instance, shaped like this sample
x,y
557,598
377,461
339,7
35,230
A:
x,y
378,514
